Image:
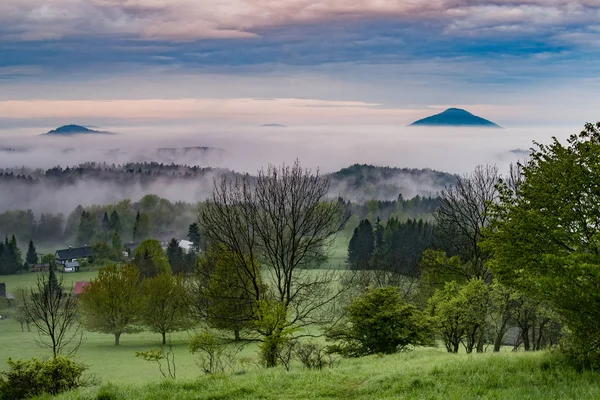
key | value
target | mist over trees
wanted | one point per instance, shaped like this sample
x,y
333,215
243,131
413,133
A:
x,y
61,189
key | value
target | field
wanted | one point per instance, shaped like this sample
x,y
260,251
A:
x,y
420,374
424,373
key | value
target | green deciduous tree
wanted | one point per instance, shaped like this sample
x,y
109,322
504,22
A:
x,y
142,227
380,321
111,303
227,293
546,236
459,313
150,259
116,247
166,305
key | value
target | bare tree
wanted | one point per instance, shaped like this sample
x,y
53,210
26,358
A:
x,y
282,221
54,313
465,210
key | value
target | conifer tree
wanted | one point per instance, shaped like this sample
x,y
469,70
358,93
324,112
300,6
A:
x,y
114,222
32,255
194,236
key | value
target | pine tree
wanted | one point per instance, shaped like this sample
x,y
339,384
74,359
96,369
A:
x,y
361,246
142,227
87,228
136,226
194,236
175,256
105,225
13,256
3,262
32,255
114,222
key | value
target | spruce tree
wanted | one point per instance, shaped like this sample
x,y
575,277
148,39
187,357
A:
x,y
194,236
175,256
136,226
32,255
105,225
361,246
114,222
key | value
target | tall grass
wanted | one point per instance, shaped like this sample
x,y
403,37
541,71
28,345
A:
x,y
421,374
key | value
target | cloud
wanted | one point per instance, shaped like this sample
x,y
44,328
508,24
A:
x,y
241,19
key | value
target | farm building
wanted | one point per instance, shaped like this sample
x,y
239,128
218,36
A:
x,y
72,254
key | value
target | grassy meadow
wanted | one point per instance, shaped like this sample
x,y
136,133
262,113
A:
x,y
424,373
419,374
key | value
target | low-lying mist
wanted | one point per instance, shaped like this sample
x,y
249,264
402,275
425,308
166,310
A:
x,y
243,149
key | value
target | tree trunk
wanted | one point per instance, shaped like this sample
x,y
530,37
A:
x,y
455,345
22,328
117,337
236,333
164,338
525,336
481,341
500,336
28,327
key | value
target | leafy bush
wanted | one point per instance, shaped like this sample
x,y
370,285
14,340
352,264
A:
x,y
29,378
380,321
459,313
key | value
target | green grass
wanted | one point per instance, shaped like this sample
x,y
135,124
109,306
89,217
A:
x,y
421,374
30,279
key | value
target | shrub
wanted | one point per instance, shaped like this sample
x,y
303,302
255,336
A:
x,y
313,355
380,321
29,378
216,355
459,313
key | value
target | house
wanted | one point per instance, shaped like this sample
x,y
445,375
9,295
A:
x,y
4,293
71,266
130,249
79,286
72,254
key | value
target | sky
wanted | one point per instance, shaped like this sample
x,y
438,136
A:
x,y
201,67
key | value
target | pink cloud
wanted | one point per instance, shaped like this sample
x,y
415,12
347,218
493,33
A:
x,y
196,19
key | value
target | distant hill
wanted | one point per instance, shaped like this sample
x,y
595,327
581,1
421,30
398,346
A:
x,y
273,126
364,182
68,130
455,117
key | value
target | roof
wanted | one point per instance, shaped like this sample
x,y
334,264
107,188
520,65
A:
x,y
71,264
79,286
74,252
